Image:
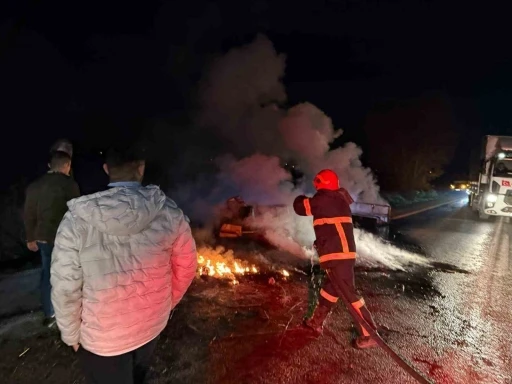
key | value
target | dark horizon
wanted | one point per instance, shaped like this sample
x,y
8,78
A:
x,y
96,72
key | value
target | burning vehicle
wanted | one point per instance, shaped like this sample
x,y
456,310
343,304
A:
x,y
234,218
239,225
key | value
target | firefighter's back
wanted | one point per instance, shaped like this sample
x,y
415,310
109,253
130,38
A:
x,y
333,226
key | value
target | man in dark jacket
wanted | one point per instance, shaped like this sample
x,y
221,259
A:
x,y
335,243
45,206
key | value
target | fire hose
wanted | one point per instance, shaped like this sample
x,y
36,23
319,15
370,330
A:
x,y
401,361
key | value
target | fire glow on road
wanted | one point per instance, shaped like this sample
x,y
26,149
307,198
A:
x,y
221,269
222,264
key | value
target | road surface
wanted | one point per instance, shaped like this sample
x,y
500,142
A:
x,y
451,318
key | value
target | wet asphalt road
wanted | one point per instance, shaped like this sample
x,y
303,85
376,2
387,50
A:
x,y
452,320
462,333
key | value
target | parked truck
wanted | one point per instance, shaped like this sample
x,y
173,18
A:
x,y
492,195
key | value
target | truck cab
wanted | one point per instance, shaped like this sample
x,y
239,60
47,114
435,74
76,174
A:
x,y
498,194
493,195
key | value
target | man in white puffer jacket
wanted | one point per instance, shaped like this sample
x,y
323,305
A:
x,y
123,258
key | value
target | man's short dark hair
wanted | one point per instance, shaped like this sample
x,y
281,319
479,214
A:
x,y
123,161
59,159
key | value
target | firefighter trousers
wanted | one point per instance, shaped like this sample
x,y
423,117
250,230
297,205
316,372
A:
x,y
343,275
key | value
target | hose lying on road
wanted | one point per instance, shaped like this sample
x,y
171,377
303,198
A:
x,y
401,361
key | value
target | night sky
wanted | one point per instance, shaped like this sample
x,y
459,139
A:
x,y
98,70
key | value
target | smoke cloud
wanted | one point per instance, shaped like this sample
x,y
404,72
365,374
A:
x,y
241,98
238,94
258,178
308,132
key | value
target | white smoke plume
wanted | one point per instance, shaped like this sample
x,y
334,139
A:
x,y
286,230
238,94
258,178
240,97
308,132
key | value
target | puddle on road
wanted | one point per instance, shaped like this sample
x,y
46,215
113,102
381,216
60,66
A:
x,y
416,284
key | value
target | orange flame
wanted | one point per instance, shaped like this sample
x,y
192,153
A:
x,y
222,264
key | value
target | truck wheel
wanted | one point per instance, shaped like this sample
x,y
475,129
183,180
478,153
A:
x,y
483,216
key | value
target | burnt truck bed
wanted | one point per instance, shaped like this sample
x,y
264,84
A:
x,y
379,213
364,215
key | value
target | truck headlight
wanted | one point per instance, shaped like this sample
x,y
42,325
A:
x,y
492,198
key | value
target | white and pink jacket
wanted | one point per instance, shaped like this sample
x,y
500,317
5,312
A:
x,y
123,258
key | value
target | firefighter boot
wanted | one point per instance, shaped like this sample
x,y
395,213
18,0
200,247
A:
x,y
316,322
364,340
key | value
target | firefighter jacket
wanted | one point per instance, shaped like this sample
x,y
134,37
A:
x,y
332,221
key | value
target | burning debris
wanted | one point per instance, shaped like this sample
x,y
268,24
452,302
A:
x,y
222,264
221,269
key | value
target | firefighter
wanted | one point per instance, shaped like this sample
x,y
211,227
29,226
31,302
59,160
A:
x,y
336,247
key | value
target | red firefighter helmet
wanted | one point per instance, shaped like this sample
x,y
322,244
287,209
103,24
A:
x,y
326,179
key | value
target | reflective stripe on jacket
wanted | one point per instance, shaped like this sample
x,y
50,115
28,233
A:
x,y
332,223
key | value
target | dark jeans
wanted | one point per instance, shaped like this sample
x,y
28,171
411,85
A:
x,y
129,368
45,250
